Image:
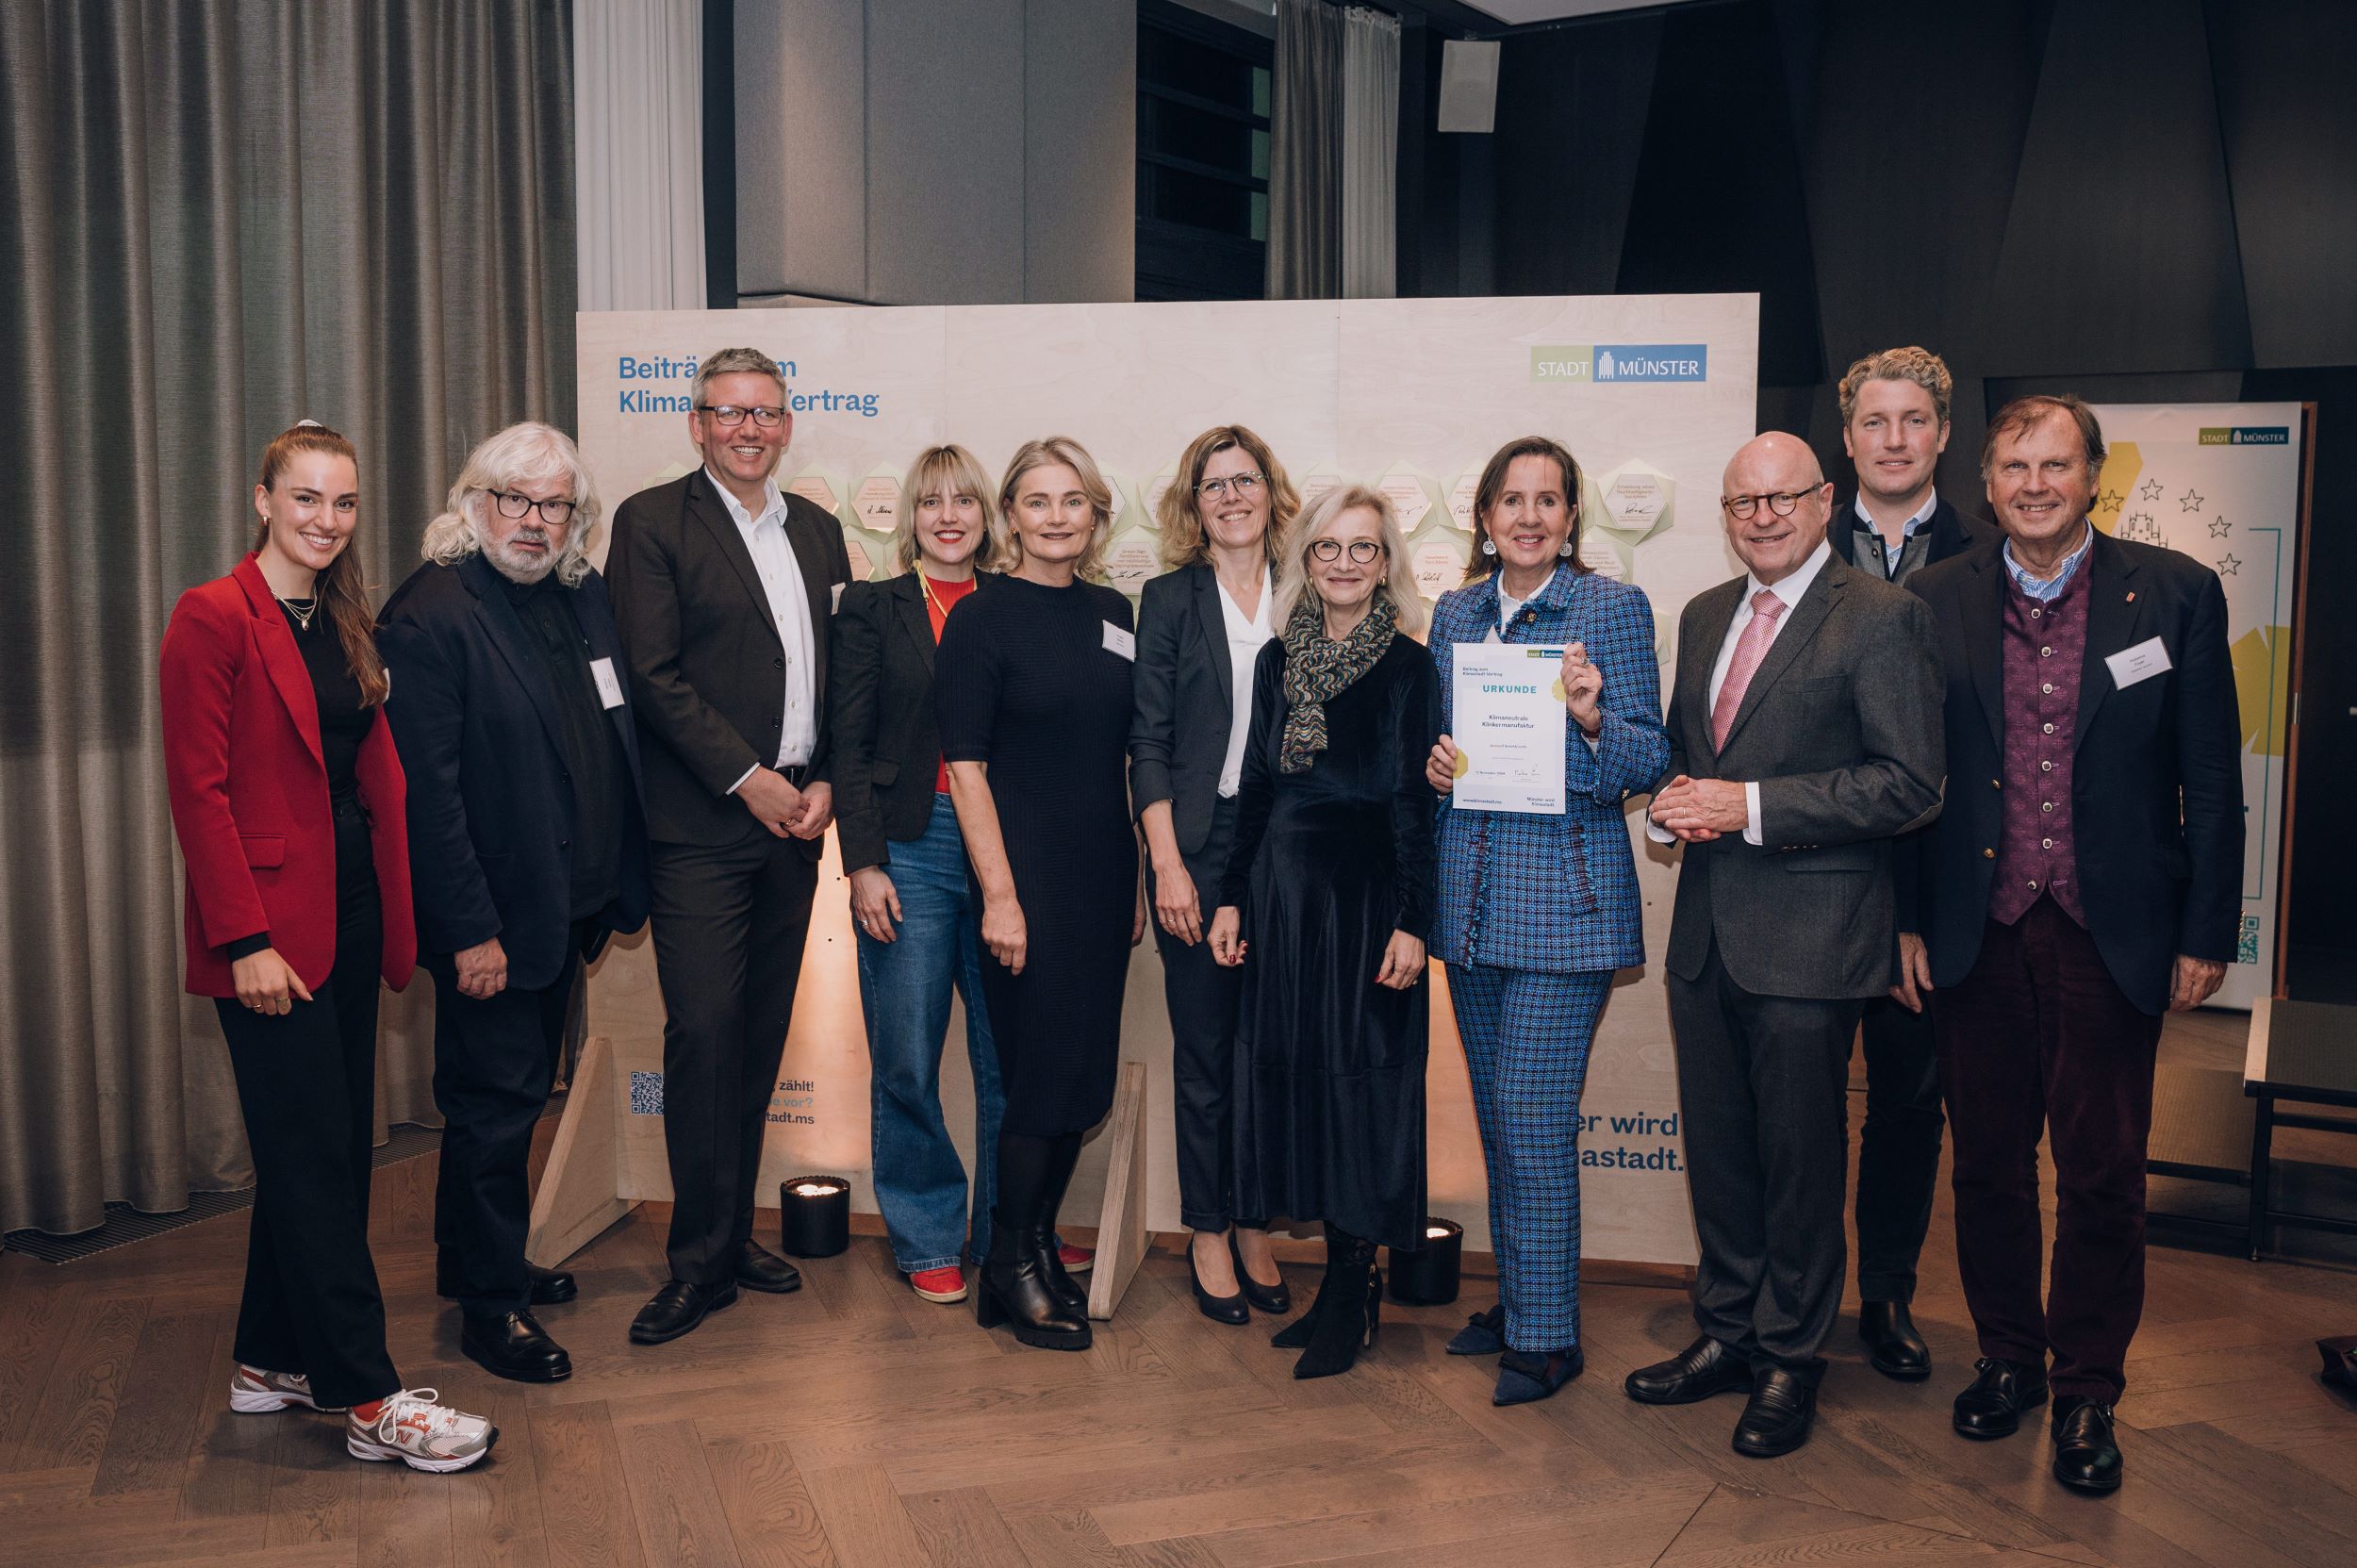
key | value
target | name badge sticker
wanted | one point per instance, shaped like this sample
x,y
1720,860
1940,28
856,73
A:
x,y
609,684
2140,663
1121,642
835,604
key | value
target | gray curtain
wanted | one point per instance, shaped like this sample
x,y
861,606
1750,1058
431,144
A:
x,y
224,216
1305,182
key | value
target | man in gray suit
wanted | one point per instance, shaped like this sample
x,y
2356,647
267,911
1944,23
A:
x,y
1803,735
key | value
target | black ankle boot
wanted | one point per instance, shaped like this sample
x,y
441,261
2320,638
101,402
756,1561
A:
x,y
1014,1289
1350,1307
1062,1154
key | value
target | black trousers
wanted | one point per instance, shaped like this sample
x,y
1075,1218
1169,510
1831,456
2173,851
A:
x,y
1898,1152
494,1059
306,1081
1203,997
730,921
1763,1085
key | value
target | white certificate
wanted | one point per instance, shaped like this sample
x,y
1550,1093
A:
x,y
1509,734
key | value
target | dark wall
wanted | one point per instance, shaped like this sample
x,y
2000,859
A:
x,y
2142,200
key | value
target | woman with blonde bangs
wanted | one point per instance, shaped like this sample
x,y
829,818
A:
x,y
916,924
1032,697
1201,626
1324,903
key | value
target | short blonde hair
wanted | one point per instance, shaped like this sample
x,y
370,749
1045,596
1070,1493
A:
x,y
1181,518
1919,365
1399,578
957,471
1049,451
520,453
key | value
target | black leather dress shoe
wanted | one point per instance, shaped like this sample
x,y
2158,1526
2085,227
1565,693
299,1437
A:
x,y
1776,1421
512,1345
760,1269
1706,1367
2087,1455
549,1285
1992,1406
1892,1345
677,1307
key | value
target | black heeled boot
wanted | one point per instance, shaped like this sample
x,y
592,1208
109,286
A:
x,y
1013,1287
1040,1240
1350,1307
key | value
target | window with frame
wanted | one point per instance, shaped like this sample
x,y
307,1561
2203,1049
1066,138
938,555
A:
x,y
1203,155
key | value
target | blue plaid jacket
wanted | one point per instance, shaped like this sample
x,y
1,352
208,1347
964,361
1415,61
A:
x,y
1555,894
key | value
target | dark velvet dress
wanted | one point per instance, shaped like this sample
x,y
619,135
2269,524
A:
x,y
1026,681
1329,1065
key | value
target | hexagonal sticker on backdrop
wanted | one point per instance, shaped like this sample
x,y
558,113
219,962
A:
x,y
821,489
1133,556
1635,500
1412,494
876,504
1461,499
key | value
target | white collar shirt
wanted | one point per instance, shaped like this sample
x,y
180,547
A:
x,y
1245,637
789,611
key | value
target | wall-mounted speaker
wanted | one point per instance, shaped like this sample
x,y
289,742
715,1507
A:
x,y
1469,85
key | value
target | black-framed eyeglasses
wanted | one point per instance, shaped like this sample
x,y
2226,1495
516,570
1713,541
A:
x,y
1742,508
556,513
727,416
1362,551
1246,486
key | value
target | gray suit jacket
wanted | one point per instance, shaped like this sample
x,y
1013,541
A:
x,y
1178,736
1842,728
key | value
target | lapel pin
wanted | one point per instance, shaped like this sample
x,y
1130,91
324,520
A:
x,y
2132,596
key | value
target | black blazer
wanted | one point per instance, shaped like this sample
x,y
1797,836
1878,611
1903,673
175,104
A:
x,y
707,669
2156,779
1185,701
1953,532
490,801
1837,728
885,744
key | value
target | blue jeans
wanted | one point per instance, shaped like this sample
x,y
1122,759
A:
x,y
904,989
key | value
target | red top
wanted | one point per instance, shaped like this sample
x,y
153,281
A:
x,y
940,599
248,785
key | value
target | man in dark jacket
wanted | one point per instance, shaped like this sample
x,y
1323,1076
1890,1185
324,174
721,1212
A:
x,y
511,710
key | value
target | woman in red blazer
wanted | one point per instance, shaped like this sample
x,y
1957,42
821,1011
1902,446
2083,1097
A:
x,y
288,800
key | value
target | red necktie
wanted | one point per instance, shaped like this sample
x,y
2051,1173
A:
x,y
1750,648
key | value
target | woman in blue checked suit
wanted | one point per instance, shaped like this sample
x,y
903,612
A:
x,y
1536,912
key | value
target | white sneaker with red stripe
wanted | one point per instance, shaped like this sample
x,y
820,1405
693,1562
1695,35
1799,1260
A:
x,y
252,1392
410,1427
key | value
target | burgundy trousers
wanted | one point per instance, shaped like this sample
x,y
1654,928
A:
x,y
2038,1039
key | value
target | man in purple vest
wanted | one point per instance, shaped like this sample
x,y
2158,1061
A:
x,y
2083,880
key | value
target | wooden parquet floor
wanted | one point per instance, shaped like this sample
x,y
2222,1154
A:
x,y
854,1425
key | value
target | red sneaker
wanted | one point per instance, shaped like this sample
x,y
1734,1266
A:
x,y
939,1284
1076,1259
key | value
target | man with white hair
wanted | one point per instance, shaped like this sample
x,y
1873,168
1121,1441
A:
x,y
511,712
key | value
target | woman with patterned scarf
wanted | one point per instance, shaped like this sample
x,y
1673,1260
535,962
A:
x,y
1330,888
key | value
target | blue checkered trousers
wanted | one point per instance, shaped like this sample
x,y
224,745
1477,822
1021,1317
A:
x,y
1535,913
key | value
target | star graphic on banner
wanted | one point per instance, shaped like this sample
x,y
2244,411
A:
x,y
2189,501
2151,491
2219,527
2109,501
2230,568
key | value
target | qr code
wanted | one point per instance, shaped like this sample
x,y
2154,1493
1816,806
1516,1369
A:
x,y
646,1093
2246,947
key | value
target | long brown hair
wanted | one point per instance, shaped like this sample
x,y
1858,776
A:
x,y
1493,480
1181,519
340,588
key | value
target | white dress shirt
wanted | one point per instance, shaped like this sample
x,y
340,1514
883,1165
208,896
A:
x,y
1245,635
1789,589
789,609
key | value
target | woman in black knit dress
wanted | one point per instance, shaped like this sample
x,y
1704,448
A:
x,y
1034,691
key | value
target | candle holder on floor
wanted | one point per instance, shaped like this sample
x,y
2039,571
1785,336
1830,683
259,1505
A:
x,y
815,1215
1429,1275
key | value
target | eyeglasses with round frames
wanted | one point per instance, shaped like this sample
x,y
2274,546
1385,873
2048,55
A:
x,y
727,416
556,513
1742,508
1362,551
1246,486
